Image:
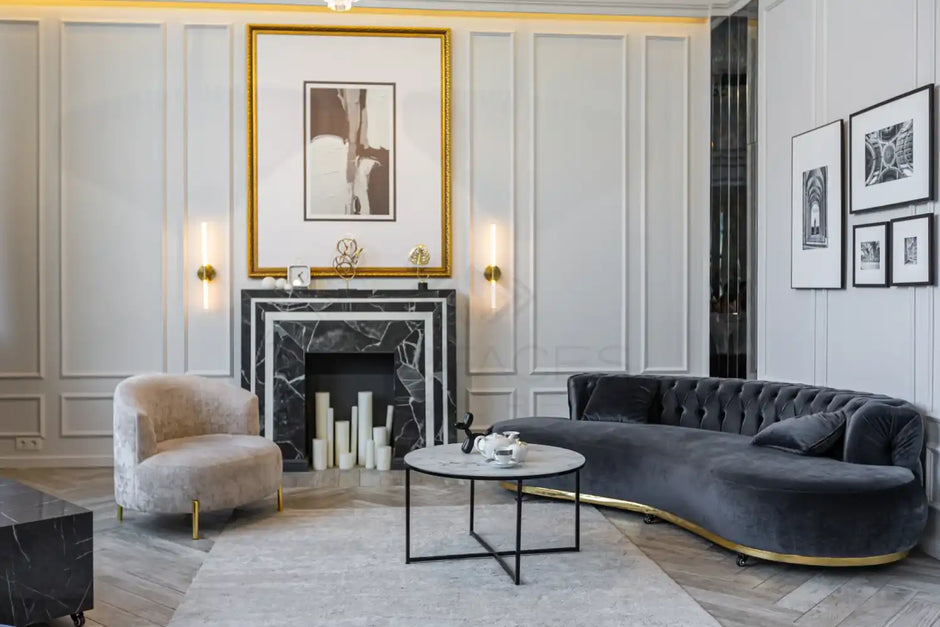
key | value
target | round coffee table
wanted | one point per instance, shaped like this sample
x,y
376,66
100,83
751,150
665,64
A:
x,y
449,461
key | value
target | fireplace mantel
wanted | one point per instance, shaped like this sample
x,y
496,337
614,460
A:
x,y
279,328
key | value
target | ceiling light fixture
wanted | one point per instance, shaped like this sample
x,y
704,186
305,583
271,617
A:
x,y
340,5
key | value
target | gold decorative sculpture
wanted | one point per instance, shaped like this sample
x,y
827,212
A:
x,y
419,257
346,262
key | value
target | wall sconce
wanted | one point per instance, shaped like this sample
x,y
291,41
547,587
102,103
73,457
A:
x,y
492,273
205,272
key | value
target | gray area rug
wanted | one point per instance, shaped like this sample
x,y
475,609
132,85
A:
x,y
346,567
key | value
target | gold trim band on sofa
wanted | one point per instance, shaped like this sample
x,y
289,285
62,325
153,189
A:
x,y
805,560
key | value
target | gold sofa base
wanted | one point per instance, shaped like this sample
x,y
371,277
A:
x,y
805,560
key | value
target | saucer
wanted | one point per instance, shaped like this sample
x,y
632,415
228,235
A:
x,y
511,463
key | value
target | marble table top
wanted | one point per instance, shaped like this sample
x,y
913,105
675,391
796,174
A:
x,y
450,461
20,504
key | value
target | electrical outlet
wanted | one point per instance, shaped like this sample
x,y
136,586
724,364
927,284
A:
x,y
29,444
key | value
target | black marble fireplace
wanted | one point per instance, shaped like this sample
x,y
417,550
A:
x,y
288,335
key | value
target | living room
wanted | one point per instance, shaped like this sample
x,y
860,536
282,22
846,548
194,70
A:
x,y
431,312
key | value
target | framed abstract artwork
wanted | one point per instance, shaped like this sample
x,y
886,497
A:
x,y
817,209
912,250
891,152
348,136
871,255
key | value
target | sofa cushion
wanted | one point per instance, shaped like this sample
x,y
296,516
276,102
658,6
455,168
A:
x,y
221,471
621,399
814,434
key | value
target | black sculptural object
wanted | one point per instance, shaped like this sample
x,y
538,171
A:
x,y
467,445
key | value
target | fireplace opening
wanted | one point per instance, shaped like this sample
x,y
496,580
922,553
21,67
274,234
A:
x,y
344,375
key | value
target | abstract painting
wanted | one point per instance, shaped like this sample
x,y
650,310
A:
x,y
349,151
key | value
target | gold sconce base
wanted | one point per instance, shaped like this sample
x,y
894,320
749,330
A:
x,y
205,273
492,273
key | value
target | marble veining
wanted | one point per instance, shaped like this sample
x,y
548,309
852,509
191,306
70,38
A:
x,y
338,333
46,556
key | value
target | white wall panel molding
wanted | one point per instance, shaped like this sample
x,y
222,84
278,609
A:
x,y
85,415
24,416
112,211
558,396
588,234
491,103
22,258
207,181
669,130
490,405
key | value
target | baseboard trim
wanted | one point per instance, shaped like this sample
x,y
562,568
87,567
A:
x,y
57,461
930,542
806,560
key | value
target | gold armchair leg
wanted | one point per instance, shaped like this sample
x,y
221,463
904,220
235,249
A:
x,y
196,519
120,513
280,499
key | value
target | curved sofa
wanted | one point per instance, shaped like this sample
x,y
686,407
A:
x,y
679,448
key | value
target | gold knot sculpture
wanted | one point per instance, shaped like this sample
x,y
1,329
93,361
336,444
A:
x,y
346,262
419,257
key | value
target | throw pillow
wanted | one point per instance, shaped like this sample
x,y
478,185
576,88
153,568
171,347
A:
x,y
807,435
621,399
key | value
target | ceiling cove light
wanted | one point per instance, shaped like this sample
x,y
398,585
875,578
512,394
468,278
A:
x,y
341,5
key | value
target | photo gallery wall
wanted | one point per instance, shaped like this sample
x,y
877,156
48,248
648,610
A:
x,y
891,164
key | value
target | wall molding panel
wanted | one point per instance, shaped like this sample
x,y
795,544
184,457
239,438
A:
x,y
39,415
653,104
67,403
22,333
536,393
490,417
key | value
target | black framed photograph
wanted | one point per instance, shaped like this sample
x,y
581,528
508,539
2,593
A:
x,y
891,152
817,208
912,243
871,255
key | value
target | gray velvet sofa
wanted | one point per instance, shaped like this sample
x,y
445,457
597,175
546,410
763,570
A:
x,y
679,449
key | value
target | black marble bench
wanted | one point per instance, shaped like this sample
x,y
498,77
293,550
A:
x,y
46,558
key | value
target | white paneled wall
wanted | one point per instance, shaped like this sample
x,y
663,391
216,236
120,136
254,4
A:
x,y
818,64
584,141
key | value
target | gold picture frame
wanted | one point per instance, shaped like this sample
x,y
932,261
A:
x,y
444,269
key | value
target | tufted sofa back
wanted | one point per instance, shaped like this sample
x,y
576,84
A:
x,y
881,429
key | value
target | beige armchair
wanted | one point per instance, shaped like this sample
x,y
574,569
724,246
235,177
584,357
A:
x,y
185,443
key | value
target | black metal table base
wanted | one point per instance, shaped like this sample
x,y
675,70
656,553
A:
x,y
499,555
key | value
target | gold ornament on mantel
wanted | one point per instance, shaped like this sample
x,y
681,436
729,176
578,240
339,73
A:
x,y
419,257
346,262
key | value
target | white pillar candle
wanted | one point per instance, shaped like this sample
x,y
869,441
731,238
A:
x,y
370,454
319,454
354,433
322,410
365,424
383,457
330,437
347,460
380,436
342,439
389,412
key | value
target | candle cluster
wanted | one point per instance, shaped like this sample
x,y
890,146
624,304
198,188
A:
x,y
353,442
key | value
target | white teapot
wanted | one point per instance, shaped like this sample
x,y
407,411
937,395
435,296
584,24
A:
x,y
486,444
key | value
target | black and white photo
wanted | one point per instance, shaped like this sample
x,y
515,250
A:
x,y
912,240
891,152
349,151
817,209
871,255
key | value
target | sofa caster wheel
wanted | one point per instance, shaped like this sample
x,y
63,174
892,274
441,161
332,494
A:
x,y
650,519
742,560
78,619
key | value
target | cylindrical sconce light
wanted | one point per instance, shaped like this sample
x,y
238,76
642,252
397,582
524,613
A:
x,y
205,272
492,273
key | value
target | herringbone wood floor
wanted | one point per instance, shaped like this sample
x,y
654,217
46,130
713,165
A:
x,y
144,566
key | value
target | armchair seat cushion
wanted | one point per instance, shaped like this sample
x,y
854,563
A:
x,y
221,471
